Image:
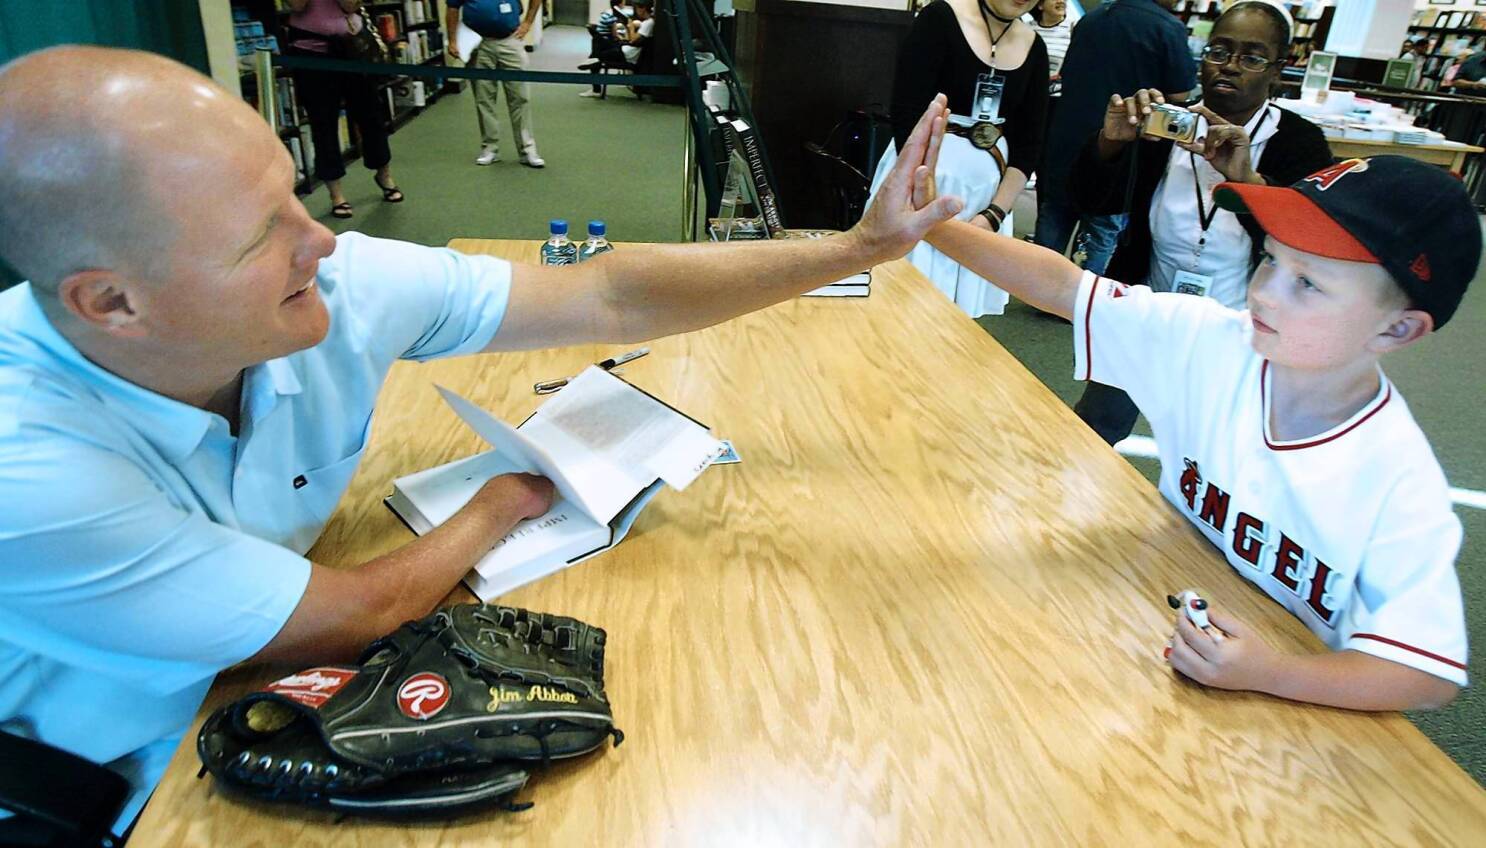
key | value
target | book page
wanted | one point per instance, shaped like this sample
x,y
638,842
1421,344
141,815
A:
x,y
534,459
589,479
613,425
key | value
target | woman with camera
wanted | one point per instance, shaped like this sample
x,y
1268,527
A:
x,y
993,68
1177,238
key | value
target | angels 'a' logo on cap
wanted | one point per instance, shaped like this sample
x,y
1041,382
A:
x,y
423,695
1327,177
1420,267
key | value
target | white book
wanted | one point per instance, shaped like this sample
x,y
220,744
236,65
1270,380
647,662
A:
x,y
606,446
857,285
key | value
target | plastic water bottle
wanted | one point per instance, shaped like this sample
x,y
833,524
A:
x,y
596,243
559,250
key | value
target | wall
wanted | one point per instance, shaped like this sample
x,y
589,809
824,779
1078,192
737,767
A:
x,y
806,64
169,27
1371,29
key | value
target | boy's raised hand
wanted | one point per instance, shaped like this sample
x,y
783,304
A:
x,y
896,220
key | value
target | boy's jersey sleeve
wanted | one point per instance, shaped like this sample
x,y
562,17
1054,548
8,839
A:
x,y
1142,341
1407,605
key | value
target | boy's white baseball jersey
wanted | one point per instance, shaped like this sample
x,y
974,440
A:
x,y
1351,530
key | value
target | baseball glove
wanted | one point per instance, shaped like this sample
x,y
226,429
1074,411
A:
x,y
440,716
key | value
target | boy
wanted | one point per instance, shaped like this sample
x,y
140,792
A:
x,y
1280,437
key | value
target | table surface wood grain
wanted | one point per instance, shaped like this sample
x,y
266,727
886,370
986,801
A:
x,y
928,606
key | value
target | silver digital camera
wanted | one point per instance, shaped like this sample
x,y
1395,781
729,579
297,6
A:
x,y
1172,122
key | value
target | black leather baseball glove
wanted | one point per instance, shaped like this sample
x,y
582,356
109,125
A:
x,y
440,716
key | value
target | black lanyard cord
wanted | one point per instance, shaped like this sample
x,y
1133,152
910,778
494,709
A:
x,y
985,15
1204,216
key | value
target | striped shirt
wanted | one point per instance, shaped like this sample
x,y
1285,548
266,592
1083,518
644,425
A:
x,y
607,20
1056,38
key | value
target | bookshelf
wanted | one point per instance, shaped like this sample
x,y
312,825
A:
x,y
414,35
1448,36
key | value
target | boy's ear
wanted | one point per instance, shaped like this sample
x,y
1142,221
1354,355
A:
x,y
1407,327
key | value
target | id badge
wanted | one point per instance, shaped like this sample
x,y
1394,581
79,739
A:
x,y
505,8
987,103
1186,282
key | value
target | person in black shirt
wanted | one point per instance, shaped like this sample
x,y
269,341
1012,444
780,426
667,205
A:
x,y
1177,238
1120,47
993,68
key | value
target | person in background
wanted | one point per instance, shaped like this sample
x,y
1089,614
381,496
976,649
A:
x,y
613,24
314,28
1177,238
1120,47
639,30
608,35
993,68
1470,73
1416,50
501,26
1050,20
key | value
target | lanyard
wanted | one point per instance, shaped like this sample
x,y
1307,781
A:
x,y
1204,215
984,12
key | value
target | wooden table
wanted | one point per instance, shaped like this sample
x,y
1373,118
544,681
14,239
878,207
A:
x,y
927,608
1451,154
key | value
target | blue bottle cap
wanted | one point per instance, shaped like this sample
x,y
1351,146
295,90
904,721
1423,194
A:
x,y
558,227
595,228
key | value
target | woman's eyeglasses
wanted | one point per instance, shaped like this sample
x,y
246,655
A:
x,y
1217,54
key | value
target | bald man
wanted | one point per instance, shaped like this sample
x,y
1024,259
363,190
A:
x,y
187,382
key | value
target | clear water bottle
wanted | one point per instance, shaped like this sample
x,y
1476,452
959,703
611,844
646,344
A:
x,y
596,243
559,250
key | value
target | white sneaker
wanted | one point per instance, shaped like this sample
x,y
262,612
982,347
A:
x,y
588,92
488,155
532,160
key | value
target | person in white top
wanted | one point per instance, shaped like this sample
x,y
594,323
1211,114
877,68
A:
x,y
1279,436
639,30
1052,22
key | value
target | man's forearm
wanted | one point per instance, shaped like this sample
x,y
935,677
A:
x,y
1033,274
658,290
1355,681
343,610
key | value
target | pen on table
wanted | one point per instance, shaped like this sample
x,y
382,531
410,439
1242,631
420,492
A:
x,y
549,386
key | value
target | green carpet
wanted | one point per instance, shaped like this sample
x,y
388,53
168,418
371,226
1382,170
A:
x,y
620,160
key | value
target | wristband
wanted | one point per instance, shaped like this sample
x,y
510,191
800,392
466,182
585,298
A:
x,y
995,215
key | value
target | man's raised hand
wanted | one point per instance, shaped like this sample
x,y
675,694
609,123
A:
x,y
906,208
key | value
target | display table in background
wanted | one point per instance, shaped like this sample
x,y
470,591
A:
x,y
1450,154
927,608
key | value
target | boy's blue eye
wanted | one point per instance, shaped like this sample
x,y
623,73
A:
x,y
1306,283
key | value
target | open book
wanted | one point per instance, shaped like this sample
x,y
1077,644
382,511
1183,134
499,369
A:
x,y
606,446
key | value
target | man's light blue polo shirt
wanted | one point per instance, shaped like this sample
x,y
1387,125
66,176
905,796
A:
x,y
143,547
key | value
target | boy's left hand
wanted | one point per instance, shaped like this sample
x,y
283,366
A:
x,y
1239,661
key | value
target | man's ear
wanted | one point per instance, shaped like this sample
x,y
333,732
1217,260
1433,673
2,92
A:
x,y
1409,326
100,299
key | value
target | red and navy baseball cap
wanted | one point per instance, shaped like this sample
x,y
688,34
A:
x,y
1415,220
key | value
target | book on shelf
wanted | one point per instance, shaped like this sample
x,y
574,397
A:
x,y
746,142
607,447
